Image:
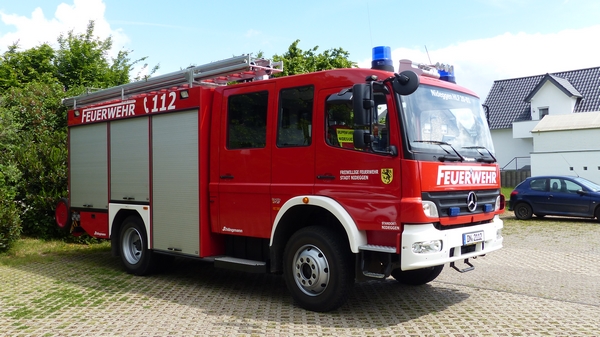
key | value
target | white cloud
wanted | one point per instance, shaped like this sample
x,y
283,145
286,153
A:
x,y
37,29
252,33
478,63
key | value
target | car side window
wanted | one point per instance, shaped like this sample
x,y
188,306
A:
x,y
538,185
572,187
555,185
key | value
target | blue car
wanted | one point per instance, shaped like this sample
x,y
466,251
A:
x,y
555,195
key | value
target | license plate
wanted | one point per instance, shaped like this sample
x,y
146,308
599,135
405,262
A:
x,y
472,238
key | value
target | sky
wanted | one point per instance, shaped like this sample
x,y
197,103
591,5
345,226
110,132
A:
x,y
485,40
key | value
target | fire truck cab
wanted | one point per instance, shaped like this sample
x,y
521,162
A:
x,y
326,178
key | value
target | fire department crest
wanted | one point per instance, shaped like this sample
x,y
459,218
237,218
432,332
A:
x,y
387,175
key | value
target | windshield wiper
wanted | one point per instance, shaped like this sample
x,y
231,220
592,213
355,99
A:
x,y
483,158
451,157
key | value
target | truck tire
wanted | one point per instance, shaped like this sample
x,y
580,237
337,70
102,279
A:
x,y
318,269
133,247
523,211
417,277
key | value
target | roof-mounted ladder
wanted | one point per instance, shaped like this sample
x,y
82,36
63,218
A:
x,y
237,68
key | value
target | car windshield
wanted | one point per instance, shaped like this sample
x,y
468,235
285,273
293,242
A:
x,y
437,118
591,185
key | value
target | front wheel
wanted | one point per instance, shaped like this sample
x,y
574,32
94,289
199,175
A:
x,y
318,269
597,213
523,211
133,247
417,277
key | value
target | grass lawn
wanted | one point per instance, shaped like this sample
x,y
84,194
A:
x,y
28,250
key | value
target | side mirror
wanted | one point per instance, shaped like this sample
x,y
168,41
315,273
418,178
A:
x,y
362,103
405,83
362,139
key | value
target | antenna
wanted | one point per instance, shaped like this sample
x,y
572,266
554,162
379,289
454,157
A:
x,y
573,169
427,51
369,20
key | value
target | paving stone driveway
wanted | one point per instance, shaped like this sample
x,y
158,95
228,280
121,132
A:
x,y
545,282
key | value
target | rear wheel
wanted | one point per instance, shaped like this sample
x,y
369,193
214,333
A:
x,y
133,246
523,211
417,277
318,269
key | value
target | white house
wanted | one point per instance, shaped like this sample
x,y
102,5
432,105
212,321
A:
x,y
516,107
567,144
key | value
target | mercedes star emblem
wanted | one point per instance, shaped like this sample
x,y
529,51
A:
x,y
472,201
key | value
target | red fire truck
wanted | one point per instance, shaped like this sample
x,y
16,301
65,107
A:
x,y
326,178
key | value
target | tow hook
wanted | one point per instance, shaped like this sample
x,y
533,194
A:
x,y
464,270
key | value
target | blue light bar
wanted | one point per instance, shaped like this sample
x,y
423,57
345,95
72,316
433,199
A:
x,y
453,211
446,72
382,58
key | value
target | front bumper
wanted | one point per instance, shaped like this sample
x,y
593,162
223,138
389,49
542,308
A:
x,y
453,248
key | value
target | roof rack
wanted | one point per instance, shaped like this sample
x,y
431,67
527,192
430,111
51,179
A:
x,y
237,68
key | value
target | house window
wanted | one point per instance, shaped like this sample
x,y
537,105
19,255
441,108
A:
x,y
543,112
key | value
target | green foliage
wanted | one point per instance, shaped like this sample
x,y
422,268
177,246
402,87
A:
x,y
41,154
33,65
10,222
82,62
297,61
33,125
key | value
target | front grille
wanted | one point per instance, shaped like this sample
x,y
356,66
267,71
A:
x,y
445,200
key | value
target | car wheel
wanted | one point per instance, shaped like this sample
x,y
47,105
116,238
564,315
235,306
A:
x,y
523,211
597,213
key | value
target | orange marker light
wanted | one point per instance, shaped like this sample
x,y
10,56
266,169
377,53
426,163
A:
x,y
305,200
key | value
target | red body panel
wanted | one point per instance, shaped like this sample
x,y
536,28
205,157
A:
x,y
95,224
242,191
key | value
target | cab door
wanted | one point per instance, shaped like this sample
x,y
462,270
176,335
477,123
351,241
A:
x,y
294,151
245,161
366,182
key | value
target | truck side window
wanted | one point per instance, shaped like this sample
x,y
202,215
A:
x,y
294,124
339,124
247,120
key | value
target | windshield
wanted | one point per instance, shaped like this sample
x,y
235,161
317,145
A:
x,y
591,185
446,122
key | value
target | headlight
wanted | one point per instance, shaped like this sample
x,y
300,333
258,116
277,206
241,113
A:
x,y
430,209
432,246
498,203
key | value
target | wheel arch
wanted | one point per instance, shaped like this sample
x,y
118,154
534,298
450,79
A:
x,y
117,216
296,214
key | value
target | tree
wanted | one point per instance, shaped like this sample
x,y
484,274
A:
x,y
33,65
297,61
82,62
33,124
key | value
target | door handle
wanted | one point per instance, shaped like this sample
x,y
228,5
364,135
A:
x,y
226,176
326,177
